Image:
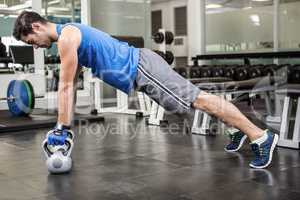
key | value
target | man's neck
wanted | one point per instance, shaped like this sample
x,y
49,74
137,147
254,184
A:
x,y
52,31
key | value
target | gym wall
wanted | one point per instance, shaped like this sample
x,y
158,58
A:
x,y
240,29
6,26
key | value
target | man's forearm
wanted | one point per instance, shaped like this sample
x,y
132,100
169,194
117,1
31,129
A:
x,y
65,103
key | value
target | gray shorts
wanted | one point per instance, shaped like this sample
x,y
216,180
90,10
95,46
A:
x,y
162,84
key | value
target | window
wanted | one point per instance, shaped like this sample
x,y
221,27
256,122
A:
x,y
156,17
180,21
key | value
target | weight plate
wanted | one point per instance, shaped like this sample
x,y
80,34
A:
x,y
28,93
32,95
17,98
169,37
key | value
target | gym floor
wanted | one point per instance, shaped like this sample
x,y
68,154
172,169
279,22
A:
x,y
124,159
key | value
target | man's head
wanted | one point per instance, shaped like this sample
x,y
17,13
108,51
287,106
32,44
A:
x,y
32,29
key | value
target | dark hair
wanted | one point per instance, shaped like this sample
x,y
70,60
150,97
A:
x,y
23,23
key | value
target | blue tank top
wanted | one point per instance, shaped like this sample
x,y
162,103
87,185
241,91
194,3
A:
x,y
111,60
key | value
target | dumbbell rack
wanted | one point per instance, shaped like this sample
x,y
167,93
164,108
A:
x,y
282,113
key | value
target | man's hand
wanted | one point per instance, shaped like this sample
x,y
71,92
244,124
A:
x,y
57,136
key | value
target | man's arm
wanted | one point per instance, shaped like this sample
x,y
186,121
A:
x,y
68,44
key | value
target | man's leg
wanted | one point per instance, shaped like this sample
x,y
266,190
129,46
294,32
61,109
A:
x,y
174,93
262,144
228,113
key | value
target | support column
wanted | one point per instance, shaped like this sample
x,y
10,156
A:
x,y
73,10
38,53
276,24
86,12
196,28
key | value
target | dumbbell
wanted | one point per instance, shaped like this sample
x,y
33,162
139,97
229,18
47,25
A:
x,y
228,72
295,75
241,73
205,71
182,71
269,70
168,56
254,72
169,37
20,97
159,37
195,72
160,53
217,71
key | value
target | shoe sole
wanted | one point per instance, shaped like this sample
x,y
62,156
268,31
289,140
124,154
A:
x,y
274,143
240,145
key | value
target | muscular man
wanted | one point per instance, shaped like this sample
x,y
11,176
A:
x,y
126,68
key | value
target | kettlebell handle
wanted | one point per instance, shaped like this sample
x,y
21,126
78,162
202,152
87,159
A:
x,y
70,145
70,134
68,142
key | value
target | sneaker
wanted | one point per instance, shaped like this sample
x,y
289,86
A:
x,y
237,140
264,152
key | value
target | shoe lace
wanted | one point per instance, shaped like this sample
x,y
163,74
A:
x,y
234,138
259,151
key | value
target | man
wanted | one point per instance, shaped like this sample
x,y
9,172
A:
x,y
127,68
2,49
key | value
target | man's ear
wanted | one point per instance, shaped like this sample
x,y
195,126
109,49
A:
x,y
35,26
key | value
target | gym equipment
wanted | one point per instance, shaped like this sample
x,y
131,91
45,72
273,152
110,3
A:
x,y
31,94
182,71
290,116
195,72
254,72
160,53
169,57
58,157
295,75
169,37
160,37
217,71
269,70
205,71
228,72
20,97
241,74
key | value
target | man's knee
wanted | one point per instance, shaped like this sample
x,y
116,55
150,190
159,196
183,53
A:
x,y
202,101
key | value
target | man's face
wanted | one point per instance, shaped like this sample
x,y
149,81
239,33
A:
x,y
38,38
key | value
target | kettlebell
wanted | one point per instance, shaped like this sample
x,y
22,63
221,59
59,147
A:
x,y
58,157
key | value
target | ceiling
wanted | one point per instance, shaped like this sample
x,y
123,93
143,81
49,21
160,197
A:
x,y
13,7
235,3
